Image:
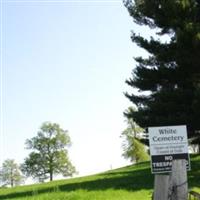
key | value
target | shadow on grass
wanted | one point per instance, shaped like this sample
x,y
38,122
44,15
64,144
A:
x,y
127,180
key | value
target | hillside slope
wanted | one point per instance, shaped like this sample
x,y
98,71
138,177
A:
x,y
129,183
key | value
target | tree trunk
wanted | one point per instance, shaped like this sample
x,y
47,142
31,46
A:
x,y
51,173
51,176
11,182
11,178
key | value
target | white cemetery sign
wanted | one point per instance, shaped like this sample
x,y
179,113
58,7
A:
x,y
166,144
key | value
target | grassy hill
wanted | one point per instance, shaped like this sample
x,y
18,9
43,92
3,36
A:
x,y
129,183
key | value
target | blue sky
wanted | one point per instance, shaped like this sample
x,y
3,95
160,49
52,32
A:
x,y
67,62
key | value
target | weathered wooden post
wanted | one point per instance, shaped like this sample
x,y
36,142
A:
x,y
161,186
169,153
178,188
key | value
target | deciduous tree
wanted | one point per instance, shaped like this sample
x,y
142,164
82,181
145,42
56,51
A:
x,y
10,173
49,156
133,148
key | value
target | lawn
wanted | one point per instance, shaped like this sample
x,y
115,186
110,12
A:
x,y
133,182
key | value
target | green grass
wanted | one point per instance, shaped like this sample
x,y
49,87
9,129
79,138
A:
x,y
129,183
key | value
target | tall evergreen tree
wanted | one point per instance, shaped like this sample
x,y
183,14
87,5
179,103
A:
x,y
171,73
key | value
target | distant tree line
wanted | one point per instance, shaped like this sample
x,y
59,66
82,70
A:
x,y
49,157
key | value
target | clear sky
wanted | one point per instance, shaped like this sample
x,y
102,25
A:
x,y
66,62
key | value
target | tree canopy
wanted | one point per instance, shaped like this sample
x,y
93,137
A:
x,y
49,156
168,80
10,173
133,148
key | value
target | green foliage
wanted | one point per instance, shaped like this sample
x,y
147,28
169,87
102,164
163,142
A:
x,y
135,151
133,148
168,80
10,173
133,182
50,155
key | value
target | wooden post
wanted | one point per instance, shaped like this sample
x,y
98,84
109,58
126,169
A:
x,y
178,189
161,185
